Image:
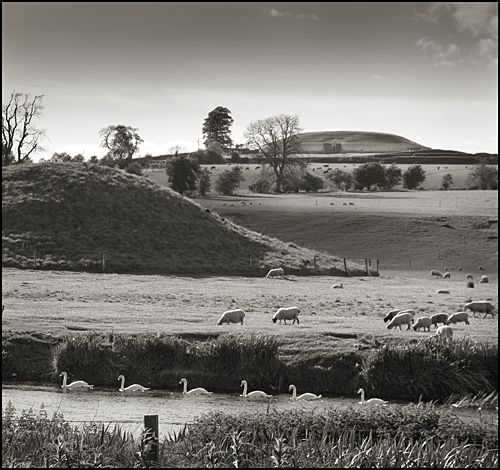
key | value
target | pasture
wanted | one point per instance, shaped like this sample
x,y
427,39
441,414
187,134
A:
x,y
64,302
434,173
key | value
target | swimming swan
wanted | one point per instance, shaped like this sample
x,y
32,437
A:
x,y
371,401
130,388
304,396
255,394
76,385
194,391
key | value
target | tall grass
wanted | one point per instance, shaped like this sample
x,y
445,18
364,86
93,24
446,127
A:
x,y
340,438
432,368
160,360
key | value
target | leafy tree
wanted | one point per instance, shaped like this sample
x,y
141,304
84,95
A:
x,y
413,177
393,176
276,140
311,183
261,185
93,159
182,173
368,175
341,179
229,180
447,181
217,127
121,141
60,157
134,168
483,176
20,137
78,158
204,181
207,157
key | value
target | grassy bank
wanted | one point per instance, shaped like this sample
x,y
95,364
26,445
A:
x,y
68,216
431,368
363,437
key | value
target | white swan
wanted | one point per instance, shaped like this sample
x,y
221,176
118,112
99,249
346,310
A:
x,y
194,391
304,396
130,388
76,385
255,394
371,401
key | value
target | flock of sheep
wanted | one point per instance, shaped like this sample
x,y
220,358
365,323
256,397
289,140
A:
x,y
396,317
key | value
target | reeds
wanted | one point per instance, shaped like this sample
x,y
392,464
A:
x,y
340,438
432,368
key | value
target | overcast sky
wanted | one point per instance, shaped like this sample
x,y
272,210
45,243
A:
x,y
425,71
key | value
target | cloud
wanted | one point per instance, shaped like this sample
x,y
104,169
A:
x,y
478,20
376,76
275,13
441,55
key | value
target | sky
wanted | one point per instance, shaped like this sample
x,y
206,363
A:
x,y
425,71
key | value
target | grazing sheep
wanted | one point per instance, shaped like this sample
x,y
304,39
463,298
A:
x,y
232,316
391,315
401,319
332,204
344,204
338,286
212,168
470,284
423,322
436,273
446,276
444,331
287,313
439,318
481,268
257,167
275,272
469,276
484,280
481,306
442,291
459,317
351,203
459,268
247,168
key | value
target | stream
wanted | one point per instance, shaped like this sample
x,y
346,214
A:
x,y
173,409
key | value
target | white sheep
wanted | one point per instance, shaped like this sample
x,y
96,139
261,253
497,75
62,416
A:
x,y
287,313
484,280
444,331
275,272
405,318
436,273
439,318
338,286
446,276
459,317
470,276
423,322
481,306
232,316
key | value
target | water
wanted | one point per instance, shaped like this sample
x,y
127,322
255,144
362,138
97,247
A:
x,y
173,409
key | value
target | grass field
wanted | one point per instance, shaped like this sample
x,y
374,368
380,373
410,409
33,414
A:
x,y
62,302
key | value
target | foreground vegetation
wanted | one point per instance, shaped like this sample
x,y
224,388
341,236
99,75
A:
x,y
363,437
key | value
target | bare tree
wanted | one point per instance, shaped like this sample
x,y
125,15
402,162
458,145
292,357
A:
x,y
20,138
276,139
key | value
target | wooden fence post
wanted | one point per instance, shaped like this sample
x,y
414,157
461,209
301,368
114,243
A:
x,y
151,427
251,262
315,263
35,261
377,265
366,266
345,267
103,262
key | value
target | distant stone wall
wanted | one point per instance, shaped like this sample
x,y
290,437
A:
x,y
353,147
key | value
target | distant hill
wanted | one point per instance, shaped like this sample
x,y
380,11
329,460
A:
x,y
73,213
355,141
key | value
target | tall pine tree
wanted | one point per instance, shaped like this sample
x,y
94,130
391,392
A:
x,y
216,127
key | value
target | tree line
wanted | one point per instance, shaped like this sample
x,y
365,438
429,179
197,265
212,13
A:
x,y
274,140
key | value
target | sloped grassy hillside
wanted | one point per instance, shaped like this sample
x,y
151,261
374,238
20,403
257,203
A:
x,y
74,213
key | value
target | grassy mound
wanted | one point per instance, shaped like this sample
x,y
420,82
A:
x,y
72,214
